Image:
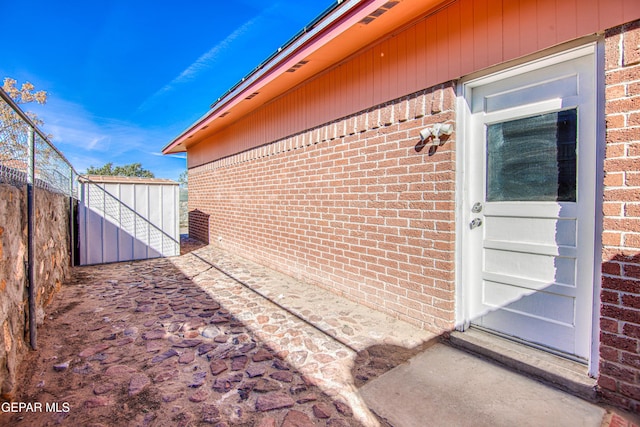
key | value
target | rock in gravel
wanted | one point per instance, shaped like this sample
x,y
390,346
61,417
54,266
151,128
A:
x,y
283,376
174,327
194,324
244,393
256,371
165,375
343,408
247,347
154,346
273,401
100,357
61,366
124,341
225,384
216,319
297,419
218,366
262,355
199,396
309,397
191,334
280,365
164,356
94,349
210,332
167,398
238,363
97,401
198,379
187,357
265,385
267,422
298,388
321,410
155,334
210,413
138,383
222,385
103,388
205,348
298,357
187,343
83,370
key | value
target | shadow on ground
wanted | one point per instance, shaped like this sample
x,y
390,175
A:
x,y
140,344
378,359
188,244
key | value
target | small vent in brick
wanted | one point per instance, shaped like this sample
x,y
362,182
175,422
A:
x,y
251,96
378,12
297,66
224,114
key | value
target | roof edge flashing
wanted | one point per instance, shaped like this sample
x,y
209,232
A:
x,y
338,11
331,15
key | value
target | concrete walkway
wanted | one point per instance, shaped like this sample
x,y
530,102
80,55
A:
x,y
317,332
211,338
444,383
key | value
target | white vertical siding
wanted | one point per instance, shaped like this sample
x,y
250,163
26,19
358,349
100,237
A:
x,y
128,221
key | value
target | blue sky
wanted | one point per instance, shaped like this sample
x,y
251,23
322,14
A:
x,y
125,77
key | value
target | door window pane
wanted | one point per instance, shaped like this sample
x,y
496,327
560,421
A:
x,y
533,159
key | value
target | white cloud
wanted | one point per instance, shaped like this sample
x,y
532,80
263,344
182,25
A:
x,y
71,125
88,140
81,162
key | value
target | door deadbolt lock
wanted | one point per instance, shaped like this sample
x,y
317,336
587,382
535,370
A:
x,y
475,223
477,207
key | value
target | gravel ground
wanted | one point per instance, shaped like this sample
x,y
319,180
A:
x,y
204,339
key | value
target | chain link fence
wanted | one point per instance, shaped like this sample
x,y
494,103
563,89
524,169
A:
x,y
27,156
13,147
39,202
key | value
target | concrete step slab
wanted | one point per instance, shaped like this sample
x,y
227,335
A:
x,y
447,386
559,372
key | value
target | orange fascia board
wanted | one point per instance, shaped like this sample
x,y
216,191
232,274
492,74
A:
x,y
345,16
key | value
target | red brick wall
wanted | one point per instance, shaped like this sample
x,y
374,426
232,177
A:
x,y
619,379
353,206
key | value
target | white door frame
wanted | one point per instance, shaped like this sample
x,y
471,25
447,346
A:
x,y
537,61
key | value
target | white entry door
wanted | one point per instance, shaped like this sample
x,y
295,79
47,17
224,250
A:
x,y
529,202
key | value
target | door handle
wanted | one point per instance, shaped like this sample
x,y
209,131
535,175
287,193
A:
x,y
475,223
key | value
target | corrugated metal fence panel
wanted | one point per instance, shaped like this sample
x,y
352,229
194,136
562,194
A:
x,y
128,221
127,230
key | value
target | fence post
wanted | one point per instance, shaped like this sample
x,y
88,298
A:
x,y
31,222
72,228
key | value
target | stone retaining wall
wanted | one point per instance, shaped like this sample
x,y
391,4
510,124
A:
x,y
51,266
